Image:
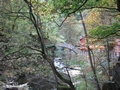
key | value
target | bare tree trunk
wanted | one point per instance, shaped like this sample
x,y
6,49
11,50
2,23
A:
x,y
108,58
90,57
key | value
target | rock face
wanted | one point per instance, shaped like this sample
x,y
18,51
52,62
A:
x,y
109,86
116,75
118,5
16,87
115,83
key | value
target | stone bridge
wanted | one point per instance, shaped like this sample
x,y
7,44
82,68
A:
x,y
69,46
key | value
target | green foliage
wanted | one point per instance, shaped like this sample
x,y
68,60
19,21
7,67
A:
x,y
83,64
82,86
52,32
100,3
15,24
59,52
68,6
105,31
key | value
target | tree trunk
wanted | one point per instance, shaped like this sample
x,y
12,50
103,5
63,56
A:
x,y
90,57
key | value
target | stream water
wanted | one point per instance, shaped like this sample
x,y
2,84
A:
x,y
62,67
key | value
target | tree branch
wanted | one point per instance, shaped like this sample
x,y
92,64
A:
x,y
109,8
12,53
38,30
71,13
105,36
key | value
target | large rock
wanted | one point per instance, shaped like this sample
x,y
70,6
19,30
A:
x,y
16,87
